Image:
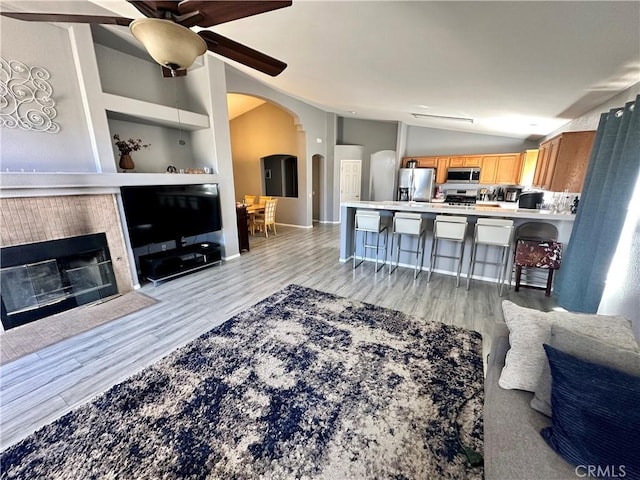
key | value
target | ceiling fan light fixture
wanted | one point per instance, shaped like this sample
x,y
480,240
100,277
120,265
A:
x,y
169,44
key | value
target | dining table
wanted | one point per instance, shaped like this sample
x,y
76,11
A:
x,y
251,211
255,208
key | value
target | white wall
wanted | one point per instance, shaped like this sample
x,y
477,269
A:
x,y
70,150
373,135
421,141
591,119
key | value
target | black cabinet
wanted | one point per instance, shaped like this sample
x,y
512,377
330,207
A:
x,y
243,227
171,263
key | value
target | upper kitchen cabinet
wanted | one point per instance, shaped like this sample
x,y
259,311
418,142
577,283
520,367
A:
x,y
508,169
439,163
503,168
465,161
528,162
488,169
562,161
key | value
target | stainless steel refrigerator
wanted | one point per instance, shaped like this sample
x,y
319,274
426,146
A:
x,y
416,184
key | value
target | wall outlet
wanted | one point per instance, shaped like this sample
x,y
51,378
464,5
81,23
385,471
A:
x,y
163,247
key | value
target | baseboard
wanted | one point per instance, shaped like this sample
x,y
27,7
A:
x,y
294,226
237,255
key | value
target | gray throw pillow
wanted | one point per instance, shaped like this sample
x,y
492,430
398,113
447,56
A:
x,y
529,329
589,349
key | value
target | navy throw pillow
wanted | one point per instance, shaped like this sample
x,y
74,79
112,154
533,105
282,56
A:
x,y
596,417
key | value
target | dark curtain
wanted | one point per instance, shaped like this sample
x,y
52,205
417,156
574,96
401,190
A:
x,y
611,176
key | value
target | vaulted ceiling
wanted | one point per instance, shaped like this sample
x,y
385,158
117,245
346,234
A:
x,y
518,69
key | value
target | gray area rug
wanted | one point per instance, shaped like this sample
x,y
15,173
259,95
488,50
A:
x,y
25,339
304,385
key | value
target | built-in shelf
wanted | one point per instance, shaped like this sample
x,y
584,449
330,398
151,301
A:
x,y
132,110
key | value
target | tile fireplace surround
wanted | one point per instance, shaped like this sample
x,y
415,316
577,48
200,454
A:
x,y
37,219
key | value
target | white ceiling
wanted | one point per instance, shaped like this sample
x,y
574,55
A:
x,y
516,68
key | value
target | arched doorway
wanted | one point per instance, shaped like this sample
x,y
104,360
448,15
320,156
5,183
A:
x,y
260,129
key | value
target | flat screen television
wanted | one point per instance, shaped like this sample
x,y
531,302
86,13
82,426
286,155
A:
x,y
161,213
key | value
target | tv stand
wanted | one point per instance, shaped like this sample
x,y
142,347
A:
x,y
160,266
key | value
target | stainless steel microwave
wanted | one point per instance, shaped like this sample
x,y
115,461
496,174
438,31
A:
x,y
463,175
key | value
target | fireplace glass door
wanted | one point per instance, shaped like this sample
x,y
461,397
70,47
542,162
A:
x,y
36,289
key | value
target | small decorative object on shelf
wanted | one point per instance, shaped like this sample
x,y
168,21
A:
x,y
126,147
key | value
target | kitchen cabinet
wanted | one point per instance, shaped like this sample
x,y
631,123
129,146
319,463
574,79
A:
x,y
439,163
488,169
428,162
562,161
501,168
528,161
465,161
508,171
441,172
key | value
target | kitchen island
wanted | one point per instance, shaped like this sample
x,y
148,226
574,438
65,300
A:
x,y
562,221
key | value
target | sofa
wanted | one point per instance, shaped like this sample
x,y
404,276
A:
x,y
513,445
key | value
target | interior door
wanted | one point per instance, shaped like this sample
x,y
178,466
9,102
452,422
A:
x,y
350,182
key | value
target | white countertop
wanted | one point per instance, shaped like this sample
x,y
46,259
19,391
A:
x,y
488,209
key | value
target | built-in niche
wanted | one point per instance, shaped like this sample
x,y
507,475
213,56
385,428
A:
x,y
280,175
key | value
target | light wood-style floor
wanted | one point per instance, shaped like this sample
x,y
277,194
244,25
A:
x,y
38,388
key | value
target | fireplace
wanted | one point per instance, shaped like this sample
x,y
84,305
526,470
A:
x,y
44,278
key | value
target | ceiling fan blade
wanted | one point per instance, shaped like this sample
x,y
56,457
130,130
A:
x,y
155,9
215,12
60,17
242,54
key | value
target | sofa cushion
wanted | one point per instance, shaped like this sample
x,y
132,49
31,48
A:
x,y
529,329
595,419
513,446
585,348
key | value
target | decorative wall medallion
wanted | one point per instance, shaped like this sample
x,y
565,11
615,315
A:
x,y
25,98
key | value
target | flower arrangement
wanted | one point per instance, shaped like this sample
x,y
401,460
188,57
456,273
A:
x,y
128,146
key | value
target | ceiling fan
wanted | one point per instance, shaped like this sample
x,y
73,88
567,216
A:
x,y
167,36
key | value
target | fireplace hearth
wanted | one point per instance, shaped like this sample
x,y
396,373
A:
x,y
44,278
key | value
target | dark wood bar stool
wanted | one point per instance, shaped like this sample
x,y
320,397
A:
x,y
537,253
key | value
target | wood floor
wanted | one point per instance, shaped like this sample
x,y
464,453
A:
x,y
38,388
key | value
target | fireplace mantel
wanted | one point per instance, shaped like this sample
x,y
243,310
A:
x,y
39,184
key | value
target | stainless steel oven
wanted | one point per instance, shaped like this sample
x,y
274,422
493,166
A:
x,y
463,175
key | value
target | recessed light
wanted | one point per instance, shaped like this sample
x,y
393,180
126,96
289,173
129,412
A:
x,y
353,112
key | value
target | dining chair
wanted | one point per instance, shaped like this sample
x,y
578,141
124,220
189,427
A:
x,y
268,218
262,199
249,199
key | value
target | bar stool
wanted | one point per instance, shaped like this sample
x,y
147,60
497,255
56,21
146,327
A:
x,y
452,229
532,253
492,232
543,231
369,221
411,225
